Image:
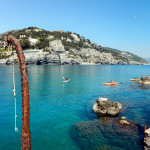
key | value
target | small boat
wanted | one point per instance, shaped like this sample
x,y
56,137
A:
x,y
115,83
66,80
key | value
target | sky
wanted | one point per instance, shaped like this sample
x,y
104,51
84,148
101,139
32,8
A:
x,y
119,24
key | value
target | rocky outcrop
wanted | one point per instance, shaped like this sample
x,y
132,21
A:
x,y
40,57
56,53
75,37
147,139
3,61
91,55
145,80
56,46
103,106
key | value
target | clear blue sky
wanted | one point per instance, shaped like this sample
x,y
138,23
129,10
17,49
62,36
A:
x,y
120,24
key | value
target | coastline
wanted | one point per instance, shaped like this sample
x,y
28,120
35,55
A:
x,y
39,57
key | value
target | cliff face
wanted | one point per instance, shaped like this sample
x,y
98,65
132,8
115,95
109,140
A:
x,y
59,47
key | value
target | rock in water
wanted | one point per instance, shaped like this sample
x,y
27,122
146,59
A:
x,y
103,106
147,139
135,79
106,133
124,121
143,80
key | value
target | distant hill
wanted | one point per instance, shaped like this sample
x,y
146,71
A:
x,y
127,55
148,60
70,47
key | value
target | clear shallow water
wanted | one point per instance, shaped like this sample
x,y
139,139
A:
x,y
55,106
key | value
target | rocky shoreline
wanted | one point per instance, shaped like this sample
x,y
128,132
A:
x,y
63,58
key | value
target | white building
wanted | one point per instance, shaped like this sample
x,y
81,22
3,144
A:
x,y
33,41
22,36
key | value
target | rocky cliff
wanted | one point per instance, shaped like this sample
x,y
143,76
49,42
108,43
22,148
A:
x,y
59,47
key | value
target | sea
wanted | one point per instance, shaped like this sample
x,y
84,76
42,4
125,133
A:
x,y
56,107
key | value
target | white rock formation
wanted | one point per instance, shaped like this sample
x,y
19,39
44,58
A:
x,y
50,37
75,37
56,46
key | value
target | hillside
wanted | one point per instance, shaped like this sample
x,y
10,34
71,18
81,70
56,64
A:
x,y
65,48
148,60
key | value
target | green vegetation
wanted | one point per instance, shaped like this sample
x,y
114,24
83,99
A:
x,y
25,44
44,37
75,45
69,45
135,57
43,43
46,50
2,50
58,34
84,57
3,54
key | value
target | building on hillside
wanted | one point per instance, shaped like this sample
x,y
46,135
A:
x,y
33,41
22,36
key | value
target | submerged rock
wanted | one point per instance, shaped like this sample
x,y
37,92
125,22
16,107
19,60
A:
x,y
103,106
124,121
143,87
106,133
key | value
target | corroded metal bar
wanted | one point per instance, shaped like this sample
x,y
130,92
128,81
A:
x,y
25,135
144,127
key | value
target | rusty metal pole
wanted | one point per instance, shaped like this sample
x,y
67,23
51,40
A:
x,y
144,128
25,135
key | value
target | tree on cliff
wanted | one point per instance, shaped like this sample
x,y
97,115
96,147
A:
x,y
43,43
25,43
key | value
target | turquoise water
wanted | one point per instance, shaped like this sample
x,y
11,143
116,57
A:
x,y
56,106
